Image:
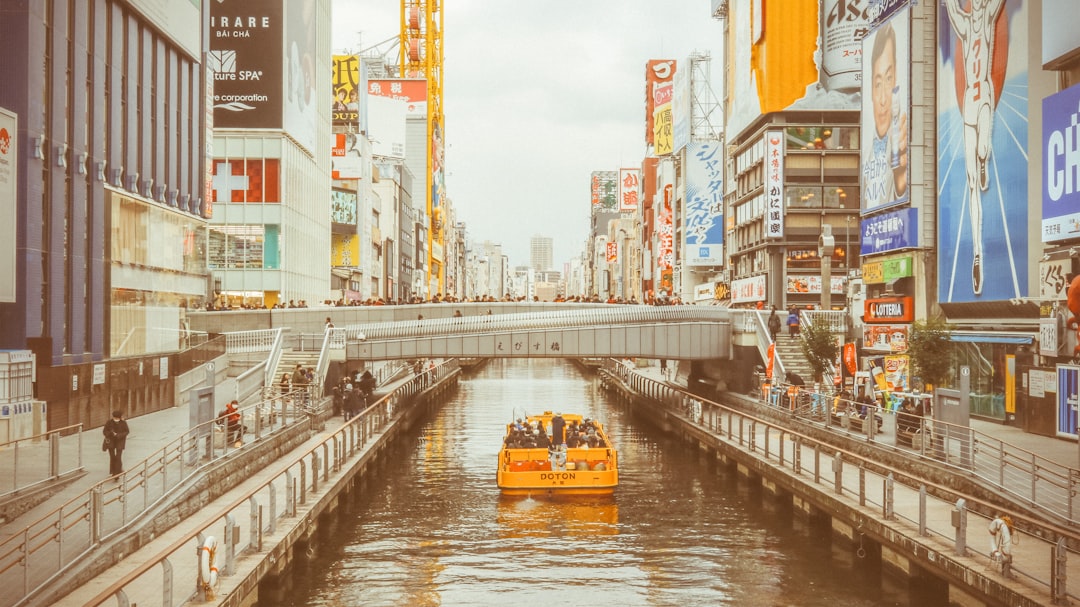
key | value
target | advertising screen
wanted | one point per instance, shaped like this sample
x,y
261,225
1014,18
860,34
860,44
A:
x,y
246,55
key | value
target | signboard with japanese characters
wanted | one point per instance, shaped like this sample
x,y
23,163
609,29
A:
x,y
746,290
1052,282
774,184
890,231
889,310
629,180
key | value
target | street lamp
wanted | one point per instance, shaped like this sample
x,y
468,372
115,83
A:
x,y
826,245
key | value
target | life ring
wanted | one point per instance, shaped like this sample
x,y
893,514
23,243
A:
x,y
208,570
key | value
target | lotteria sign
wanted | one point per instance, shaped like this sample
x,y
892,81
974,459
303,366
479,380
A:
x,y
889,310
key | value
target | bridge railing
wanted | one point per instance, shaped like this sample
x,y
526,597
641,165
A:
x,y
622,315
243,342
871,482
253,516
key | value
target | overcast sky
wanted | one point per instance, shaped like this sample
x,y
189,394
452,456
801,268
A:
x,y
537,95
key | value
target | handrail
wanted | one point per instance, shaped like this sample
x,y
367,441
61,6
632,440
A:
x,y
260,340
312,469
764,338
1051,484
833,469
251,381
629,315
48,447
106,509
331,338
274,358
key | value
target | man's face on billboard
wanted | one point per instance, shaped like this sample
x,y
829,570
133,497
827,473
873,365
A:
x,y
883,73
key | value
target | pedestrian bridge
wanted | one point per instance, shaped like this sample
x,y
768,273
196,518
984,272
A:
x,y
501,330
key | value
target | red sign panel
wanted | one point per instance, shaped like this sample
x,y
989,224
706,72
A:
x,y
889,310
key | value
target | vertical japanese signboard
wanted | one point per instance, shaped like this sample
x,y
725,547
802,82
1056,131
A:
x,y
658,78
704,204
774,184
347,90
9,131
629,180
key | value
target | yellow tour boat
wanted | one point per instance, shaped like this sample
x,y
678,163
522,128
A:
x,y
533,461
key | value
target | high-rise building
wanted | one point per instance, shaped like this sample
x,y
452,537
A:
x,y
540,253
270,233
102,199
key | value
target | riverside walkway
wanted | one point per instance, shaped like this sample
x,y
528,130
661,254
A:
x,y
932,512
150,432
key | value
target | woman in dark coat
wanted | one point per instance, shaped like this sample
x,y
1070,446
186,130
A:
x,y
116,431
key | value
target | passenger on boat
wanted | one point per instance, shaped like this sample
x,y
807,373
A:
x,y
558,428
573,435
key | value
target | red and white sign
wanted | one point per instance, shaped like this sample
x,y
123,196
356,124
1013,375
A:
x,y
665,233
612,252
774,184
746,290
889,309
629,182
251,180
411,90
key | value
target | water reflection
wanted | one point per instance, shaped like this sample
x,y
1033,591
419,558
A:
x,y
586,516
432,528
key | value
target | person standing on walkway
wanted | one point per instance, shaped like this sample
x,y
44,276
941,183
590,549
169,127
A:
x,y
774,324
116,432
1001,542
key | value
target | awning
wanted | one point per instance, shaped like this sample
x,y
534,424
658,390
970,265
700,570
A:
x,y
992,338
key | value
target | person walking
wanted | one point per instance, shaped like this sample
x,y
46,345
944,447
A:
x,y
774,323
233,428
116,432
793,322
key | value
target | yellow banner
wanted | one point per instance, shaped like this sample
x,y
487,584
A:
x,y
873,273
663,133
345,250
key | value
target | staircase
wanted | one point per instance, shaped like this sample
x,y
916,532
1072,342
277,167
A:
x,y
290,358
790,351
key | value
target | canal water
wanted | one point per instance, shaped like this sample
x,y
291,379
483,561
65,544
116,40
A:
x,y
431,528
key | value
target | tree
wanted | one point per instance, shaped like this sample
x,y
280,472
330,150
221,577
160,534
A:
x,y
820,346
931,350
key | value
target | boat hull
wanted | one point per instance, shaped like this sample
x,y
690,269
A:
x,y
576,471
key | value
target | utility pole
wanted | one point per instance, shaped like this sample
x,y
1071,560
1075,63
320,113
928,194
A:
x,y
826,244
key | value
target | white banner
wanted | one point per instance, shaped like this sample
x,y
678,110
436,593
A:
x,y
774,184
9,136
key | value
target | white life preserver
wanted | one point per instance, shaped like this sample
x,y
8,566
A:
x,y
208,570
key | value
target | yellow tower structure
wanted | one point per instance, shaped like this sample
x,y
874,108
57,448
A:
x,y
421,51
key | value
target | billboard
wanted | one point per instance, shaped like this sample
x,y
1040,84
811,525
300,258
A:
x,y
774,184
704,204
1061,182
387,131
246,54
658,75
746,290
250,180
300,68
344,250
665,235
773,53
605,191
413,91
890,231
346,80
629,189
611,254
886,105
681,107
982,156
345,157
9,189
1068,395
343,207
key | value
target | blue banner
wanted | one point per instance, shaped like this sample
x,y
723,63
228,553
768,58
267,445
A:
x,y
1068,383
890,231
1061,187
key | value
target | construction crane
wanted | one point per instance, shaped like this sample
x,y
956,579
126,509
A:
x,y
421,56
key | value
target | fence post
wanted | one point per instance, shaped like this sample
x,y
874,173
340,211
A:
x,y
230,545
922,510
290,494
838,473
54,455
255,529
166,582
889,505
959,522
1058,565
272,507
